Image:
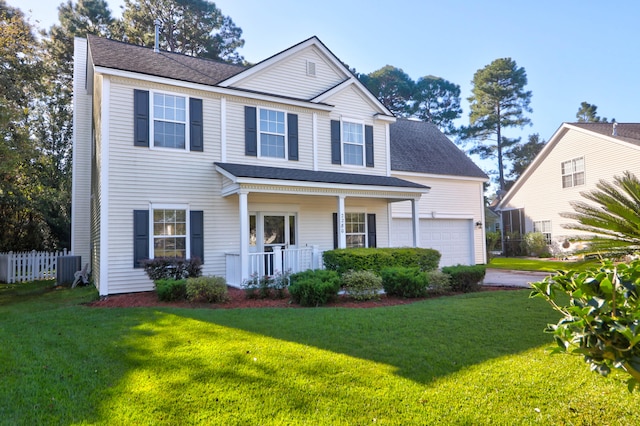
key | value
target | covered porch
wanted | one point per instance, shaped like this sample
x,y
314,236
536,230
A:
x,y
271,237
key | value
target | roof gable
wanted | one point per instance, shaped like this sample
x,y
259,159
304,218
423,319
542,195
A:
x,y
420,147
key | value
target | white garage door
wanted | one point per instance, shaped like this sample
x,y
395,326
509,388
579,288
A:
x,y
451,237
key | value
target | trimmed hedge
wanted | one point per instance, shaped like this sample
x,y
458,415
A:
x,y
362,285
404,282
170,290
376,259
465,278
314,287
162,268
207,289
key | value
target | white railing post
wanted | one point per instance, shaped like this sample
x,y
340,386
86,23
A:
x,y
277,260
315,256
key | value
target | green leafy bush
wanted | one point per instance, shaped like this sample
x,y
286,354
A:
x,y
465,278
207,289
535,244
437,282
362,285
404,282
601,320
375,259
314,287
170,267
267,287
170,289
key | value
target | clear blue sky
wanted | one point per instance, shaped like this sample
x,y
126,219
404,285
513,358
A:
x,y
572,50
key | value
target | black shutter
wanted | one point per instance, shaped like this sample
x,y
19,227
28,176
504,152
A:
x,y
197,234
141,118
371,230
292,128
195,125
368,145
336,157
250,131
140,237
335,230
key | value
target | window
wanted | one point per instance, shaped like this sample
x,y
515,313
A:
x,y
353,142
544,227
272,133
169,121
356,229
170,233
573,172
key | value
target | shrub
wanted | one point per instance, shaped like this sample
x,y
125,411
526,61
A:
x,y
169,267
437,282
266,287
314,287
404,282
170,289
207,289
465,278
535,244
375,259
362,285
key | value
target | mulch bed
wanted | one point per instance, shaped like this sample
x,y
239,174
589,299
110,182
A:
x,y
239,300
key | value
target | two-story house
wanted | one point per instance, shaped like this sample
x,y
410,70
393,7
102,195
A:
x,y
252,169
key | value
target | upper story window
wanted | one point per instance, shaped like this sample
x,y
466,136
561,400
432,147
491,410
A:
x,y
272,133
353,143
573,172
169,121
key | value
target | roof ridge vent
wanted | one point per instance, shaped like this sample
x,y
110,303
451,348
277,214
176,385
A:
x,y
157,23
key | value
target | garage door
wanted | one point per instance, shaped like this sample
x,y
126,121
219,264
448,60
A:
x,y
451,237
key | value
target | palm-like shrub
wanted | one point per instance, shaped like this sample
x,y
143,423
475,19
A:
x,y
613,216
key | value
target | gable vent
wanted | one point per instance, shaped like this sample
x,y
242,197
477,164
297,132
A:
x,y
311,68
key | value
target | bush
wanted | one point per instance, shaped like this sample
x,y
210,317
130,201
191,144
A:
x,y
404,282
314,287
465,278
170,290
535,244
362,285
162,268
207,289
437,282
376,259
266,287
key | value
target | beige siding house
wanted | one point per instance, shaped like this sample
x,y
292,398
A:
x,y
253,170
573,161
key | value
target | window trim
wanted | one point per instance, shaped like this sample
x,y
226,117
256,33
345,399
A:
x,y
343,142
152,119
573,172
260,132
541,224
152,236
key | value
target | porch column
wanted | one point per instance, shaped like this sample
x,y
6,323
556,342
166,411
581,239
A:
x,y
342,232
415,219
244,235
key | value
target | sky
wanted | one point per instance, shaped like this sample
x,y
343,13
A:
x,y
572,51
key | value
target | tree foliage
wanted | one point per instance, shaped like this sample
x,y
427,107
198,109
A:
x,y
193,27
392,86
612,216
521,155
588,113
436,101
498,101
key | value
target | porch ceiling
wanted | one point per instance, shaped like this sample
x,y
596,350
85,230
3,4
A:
x,y
284,180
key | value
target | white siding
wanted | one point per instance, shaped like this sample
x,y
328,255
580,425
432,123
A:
x,y
289,77
449,198
542,195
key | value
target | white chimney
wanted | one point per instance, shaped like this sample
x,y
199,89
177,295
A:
x,y
157,24
615,129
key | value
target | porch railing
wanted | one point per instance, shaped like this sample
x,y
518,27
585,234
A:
x,y
274,262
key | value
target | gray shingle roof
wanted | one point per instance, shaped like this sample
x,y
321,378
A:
x,y
263,172
128,57
629,132
418,146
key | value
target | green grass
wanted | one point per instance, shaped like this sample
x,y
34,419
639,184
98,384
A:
x,y
472,359
528,264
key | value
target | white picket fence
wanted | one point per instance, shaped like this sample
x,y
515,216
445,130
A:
x,y
28,266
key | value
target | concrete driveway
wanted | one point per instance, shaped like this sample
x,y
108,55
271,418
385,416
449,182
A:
x,y
512,278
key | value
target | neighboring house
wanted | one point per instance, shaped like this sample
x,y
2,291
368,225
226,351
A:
x,y
452,215
254,170
574,160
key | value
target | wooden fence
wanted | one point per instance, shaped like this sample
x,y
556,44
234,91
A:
x,y
28,266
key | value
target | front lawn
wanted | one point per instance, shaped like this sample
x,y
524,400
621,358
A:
x,y
542,265
477,358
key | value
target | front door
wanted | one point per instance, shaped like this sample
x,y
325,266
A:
x,y
278,230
